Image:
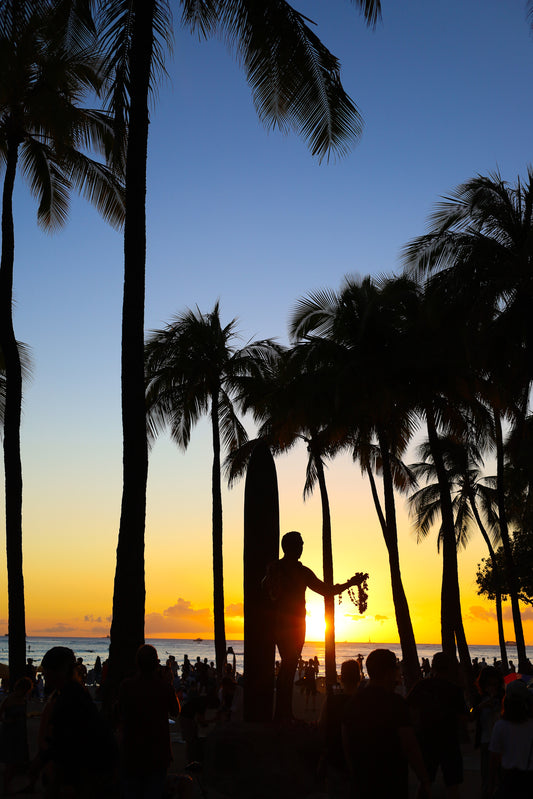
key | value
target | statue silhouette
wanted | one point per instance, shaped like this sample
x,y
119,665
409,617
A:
x,y
286,581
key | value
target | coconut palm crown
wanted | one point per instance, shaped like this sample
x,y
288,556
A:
x,y
193,368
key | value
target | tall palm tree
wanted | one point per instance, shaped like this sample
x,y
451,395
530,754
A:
x,y
362,328
47,69
193,368
473,496
133,34
295,83
481,240
444,390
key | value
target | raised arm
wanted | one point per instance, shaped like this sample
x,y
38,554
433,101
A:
x,y
320,587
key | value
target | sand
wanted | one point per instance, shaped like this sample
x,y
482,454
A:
x,y
470,788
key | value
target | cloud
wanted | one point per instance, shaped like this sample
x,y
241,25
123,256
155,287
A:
x,y
525,613
184,619
481,613
57,629
91,618
235,610
180,618
377,617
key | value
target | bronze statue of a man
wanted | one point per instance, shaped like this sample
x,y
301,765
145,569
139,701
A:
x,y
286,582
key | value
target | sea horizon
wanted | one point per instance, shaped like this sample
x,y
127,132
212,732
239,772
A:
x,y
90,647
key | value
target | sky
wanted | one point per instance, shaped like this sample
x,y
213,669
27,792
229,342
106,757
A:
x,y
245,215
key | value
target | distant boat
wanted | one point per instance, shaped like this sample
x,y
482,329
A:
x,y
510,643
198,639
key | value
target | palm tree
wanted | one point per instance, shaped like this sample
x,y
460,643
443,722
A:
x,y
295,84
193,368
361,327
444,382
47,68
481,240
472,496
133,34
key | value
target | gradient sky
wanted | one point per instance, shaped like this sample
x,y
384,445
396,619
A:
x,y
245,215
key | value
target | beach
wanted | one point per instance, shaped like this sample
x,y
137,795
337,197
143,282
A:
x,y
202,788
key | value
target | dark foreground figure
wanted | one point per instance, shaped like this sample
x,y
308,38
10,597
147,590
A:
x,y
333,768
145,703
439,712
77,752
379,739
13,731
511,746
286,582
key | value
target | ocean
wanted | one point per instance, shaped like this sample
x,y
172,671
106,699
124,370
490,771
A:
x,y
89,648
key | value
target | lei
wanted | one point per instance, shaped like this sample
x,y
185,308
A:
x,y
360,579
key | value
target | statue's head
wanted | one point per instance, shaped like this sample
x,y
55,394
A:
x,y
292,544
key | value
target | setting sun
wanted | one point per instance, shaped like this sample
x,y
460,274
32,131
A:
x,y
315,625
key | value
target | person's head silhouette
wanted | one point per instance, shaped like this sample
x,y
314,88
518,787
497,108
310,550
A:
x,y
147,660
292,545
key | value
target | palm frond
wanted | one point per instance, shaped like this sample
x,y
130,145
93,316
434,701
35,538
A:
x,y
295,80
72,22
424,507
311,477
236,461
47,183
313,314
232,430
116,22
98,184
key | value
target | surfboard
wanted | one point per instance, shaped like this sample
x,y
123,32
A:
x,y
261,546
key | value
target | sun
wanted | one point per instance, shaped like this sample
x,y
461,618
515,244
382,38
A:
x,y
315,624
348,626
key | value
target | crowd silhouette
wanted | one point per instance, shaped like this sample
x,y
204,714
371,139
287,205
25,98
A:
x,y
371,731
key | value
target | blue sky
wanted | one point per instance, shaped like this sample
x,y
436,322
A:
x,y
245,215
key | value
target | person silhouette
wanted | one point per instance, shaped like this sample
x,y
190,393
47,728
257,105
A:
x,y
145,702
286,581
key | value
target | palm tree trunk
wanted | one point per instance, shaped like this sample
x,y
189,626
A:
x,y
218,567
497,576
12,413
506,542
411,664
127,628
451,617
327,564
